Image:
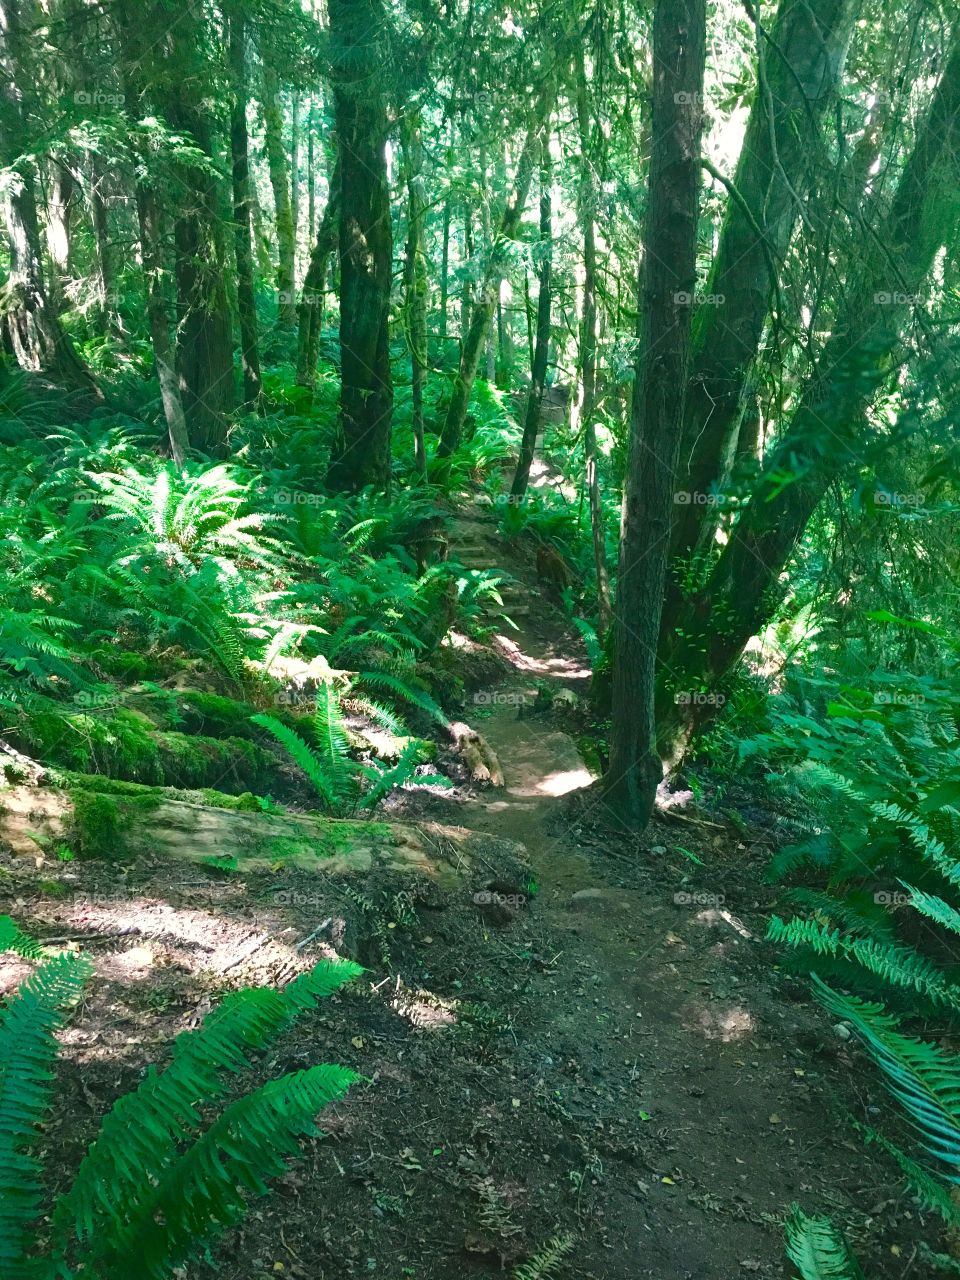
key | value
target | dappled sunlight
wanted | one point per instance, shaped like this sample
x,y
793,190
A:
x,y
565,668
727,1023
422,1009
560,784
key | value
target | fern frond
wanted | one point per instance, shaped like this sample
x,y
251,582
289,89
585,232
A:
x,y
817,1248
546,1264
206,1189
139,1137
934,908
28,1051
404,691
301,754
922,1077
929,1190
11,939
900,966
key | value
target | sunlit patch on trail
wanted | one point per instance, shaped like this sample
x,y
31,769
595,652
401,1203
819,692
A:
x,y
560,784
726,1024
562,668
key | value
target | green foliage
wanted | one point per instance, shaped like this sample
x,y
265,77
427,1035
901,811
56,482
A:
x,y
160,1181
818,1250
335,776
95,825
546,1264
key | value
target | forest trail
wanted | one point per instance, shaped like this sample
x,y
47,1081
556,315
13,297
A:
x,y
709,1092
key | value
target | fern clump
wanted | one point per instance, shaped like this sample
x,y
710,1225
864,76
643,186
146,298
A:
x,y
160,1182
343,784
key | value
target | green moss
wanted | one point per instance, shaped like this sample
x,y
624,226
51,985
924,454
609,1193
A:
x,y
133,792
95,825
216,716
196,761
147,798
121,662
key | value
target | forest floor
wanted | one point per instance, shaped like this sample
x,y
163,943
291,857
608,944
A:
x,y
616,1058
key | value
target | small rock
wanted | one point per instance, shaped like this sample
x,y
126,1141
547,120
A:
x,y
658,848
841,1031
585,899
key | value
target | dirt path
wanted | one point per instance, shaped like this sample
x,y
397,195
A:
x,y
710,1092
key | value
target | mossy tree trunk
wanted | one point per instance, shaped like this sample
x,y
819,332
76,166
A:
x,y
362,456
670,249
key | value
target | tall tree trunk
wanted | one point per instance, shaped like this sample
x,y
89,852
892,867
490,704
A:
x,y
588,348
37,337
60,208
800,64
315,284
295,175
362,456
311,171
242,227
670,245
283,209
466,298
486,306
445,267
541,351
158,316
825,435
415,281
103,250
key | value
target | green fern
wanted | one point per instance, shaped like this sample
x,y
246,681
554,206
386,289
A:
x,y
818,1250
206,1189
546,1264
11,939
28,1052
923,1078
898,965
152,1190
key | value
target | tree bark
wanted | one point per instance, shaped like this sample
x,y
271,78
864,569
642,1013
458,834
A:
x,y
315,284
541,351
242,228
415,282
588,349
800,64
825,434
670,244
283,208
38,339
362,456
484,310
158,316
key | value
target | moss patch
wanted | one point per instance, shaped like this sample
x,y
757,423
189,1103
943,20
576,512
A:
x,y
95,825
